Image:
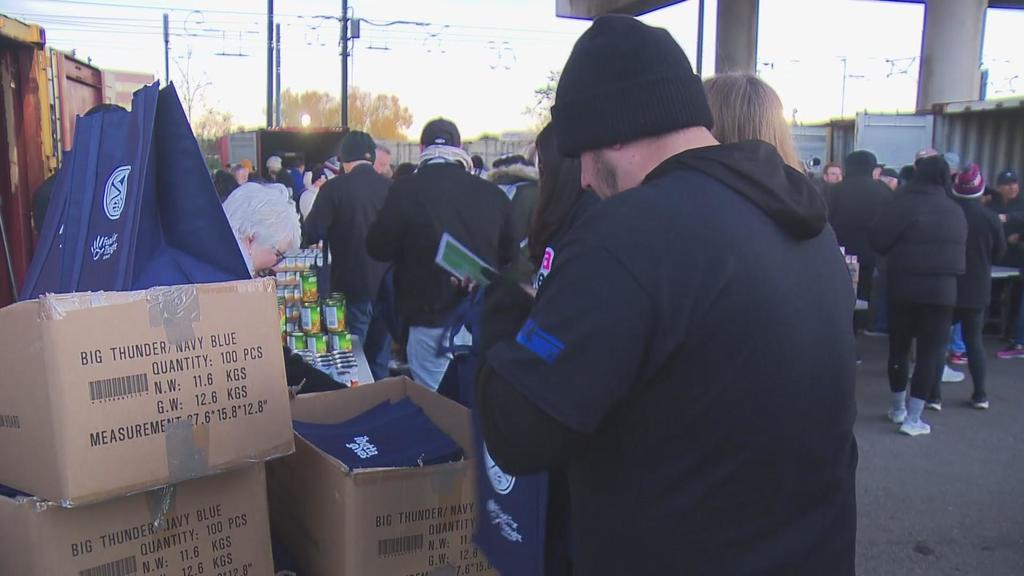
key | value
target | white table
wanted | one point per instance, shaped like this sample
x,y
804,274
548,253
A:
x,y
1001,272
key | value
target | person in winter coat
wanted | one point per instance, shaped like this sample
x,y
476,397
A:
x,y
518,180
747,108
1009,204
923,235
692,443
986,243
342,214
440,197
854,205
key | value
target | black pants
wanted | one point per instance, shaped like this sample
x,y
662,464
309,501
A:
x,y
929,325
972,321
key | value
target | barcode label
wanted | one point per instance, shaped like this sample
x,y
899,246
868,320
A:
x,y
10,421
399,546
111,388
122,567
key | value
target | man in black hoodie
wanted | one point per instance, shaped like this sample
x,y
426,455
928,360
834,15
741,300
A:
x,y
442,196
692,443
854,205
344,209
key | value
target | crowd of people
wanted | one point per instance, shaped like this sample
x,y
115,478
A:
x,y
621,341
927,237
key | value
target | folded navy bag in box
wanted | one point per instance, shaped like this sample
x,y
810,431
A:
x,y
389,435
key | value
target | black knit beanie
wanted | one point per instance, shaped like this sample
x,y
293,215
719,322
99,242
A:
x,y
625,81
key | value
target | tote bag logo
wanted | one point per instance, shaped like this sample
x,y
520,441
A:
x,y
115,192
500,480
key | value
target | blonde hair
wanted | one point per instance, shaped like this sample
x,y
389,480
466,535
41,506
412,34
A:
x,y
747,108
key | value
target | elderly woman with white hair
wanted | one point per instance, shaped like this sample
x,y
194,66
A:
x,y
265,223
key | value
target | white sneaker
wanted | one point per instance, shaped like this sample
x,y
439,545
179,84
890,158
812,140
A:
x,y
915,428
983,405
897,416
949,375
936,406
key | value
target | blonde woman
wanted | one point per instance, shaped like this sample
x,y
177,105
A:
x,y
747,108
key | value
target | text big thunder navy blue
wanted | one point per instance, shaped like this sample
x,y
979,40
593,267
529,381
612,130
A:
x,y
134,207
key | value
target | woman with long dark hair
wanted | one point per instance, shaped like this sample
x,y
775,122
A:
x,y
561,204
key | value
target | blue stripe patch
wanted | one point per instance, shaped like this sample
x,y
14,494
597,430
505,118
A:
x,y
544,345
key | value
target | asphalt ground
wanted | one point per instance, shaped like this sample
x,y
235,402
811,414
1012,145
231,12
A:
x,y
952,502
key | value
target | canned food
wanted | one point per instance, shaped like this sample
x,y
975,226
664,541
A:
x,y
282,313
311,318
309,288
297,341
316,343
295,313
334,315
340,342
292,326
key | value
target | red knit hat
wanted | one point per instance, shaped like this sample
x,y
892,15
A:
x,y
969,183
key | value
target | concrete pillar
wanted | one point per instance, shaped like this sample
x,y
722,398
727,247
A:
x,y
736,41
951,52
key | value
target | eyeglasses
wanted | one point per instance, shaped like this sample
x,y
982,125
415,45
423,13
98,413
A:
x,y
280,256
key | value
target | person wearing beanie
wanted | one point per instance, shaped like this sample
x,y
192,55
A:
x,y
344,209
693,443
1009,204
854,205
986,243
923,235
277,174
442,196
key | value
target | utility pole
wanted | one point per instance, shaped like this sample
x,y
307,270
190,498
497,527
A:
x,y
344,63
700,37
277,80
270,63
167,49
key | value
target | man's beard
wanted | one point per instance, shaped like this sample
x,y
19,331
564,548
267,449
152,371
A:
x,y
606,181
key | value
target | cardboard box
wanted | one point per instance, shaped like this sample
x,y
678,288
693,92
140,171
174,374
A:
x,y
210,526
106,394
393,521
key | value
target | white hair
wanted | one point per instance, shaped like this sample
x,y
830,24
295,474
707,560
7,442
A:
x,y
267,213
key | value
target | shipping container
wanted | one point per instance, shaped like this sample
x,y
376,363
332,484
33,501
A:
x,y
990,133
26,139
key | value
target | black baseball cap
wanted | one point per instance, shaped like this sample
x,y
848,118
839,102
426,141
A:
x,y
440,132
1006,177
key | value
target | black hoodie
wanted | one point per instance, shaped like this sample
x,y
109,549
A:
x,y
690,362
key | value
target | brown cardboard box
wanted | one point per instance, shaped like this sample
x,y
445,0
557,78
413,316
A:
x,y
393,522
207,527
107,394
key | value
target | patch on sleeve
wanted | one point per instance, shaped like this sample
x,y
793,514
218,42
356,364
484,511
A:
x,y
544,345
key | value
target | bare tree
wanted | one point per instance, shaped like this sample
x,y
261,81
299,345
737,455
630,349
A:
x,y
191,87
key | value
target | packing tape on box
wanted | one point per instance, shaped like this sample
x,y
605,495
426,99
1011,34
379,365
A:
x,y
176,309
188,450
161,503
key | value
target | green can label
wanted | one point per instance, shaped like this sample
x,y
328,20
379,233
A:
x,y
311,318
317,343
297,341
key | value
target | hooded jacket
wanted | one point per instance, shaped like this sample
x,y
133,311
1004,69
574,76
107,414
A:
x,y
923,235
438,198
520,184
644,370
986,244
854,204
342,213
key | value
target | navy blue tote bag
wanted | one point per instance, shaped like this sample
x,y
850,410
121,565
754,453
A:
x,y
134,207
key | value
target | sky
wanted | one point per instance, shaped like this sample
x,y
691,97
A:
x,y
478,62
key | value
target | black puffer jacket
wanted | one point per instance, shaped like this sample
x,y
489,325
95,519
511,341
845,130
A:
x,y
923,235
986,243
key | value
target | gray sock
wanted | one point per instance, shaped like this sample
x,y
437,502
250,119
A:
x,y
899,401
915,406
